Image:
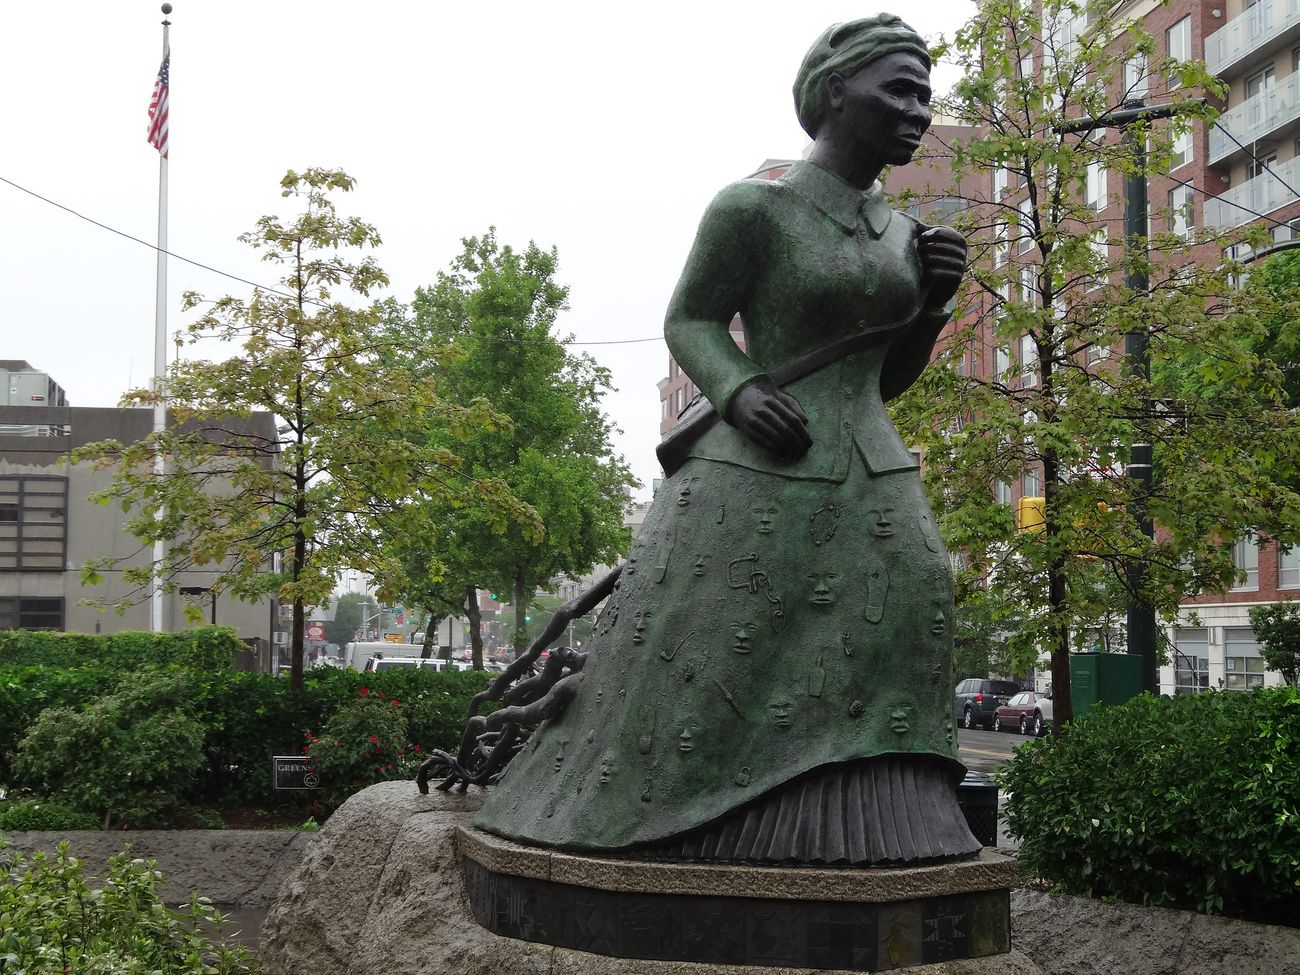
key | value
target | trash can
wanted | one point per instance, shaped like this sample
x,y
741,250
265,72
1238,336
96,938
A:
x,y
978,798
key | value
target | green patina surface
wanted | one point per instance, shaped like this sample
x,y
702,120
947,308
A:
x,y
774,616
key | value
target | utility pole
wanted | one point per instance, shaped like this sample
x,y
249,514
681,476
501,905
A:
x,y
1137,356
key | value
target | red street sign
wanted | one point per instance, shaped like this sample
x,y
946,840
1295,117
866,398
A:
x,y
315,631
400,619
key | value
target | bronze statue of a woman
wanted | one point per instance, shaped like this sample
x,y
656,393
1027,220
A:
x,y
771,681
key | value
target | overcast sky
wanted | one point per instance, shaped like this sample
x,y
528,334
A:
x,y
600,128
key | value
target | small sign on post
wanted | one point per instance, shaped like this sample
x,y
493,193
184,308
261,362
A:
x,y
295,772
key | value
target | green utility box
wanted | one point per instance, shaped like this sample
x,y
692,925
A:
x,y
1103,678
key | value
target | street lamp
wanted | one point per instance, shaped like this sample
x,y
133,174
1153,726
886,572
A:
x,y
202,591
1141,636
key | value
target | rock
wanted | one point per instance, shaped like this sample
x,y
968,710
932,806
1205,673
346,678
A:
x,y
231,867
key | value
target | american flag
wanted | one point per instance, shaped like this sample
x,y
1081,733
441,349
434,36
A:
x,y
158,107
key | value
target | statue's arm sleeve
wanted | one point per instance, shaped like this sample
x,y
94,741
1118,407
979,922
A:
x,y
714,286
910,353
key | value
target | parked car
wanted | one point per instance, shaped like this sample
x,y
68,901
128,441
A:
x,y
978,697
1027,712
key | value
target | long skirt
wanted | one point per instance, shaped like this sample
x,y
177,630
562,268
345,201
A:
x,y
771,682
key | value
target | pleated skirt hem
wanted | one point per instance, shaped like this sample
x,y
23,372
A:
x,y
893,810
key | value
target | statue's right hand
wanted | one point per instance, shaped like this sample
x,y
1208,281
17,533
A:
x,y
771,418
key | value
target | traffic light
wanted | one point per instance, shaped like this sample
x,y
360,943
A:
x,y
1032,514
528,619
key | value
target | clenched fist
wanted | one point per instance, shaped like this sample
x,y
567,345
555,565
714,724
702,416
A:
x,y
942,251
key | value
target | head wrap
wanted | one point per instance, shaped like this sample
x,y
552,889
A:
x,y
845,49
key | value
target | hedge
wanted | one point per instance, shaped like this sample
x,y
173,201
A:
x,y
1191,801
206,647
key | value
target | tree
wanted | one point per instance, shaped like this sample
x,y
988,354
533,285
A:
x,y
493,312
347,619
1028,386
313,495
1277,627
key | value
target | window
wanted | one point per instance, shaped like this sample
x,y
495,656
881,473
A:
x,y
1095,185
1028,284
1182,211
1258,84
1027,67
1026,223
1001,362
663,409
1001,181
1245,556
1100,245
1178,46
1181,152
1000,247
1135,76
1261,164
33,523
1031,485
1096,353
1028,361
1288,567
1191,661
1245,667
31,613
1002,492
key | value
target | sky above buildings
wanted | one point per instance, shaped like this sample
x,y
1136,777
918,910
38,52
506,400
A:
x,y
601,129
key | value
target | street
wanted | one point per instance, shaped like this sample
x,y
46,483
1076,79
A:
x,y
985,751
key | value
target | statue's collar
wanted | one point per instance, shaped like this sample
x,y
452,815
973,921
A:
x,y
837,199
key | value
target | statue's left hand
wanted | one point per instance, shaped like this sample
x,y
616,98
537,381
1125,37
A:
x,y
943,260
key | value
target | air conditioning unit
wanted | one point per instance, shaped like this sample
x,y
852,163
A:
x,y
280,639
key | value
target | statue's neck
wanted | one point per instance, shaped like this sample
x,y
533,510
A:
x,y
850,167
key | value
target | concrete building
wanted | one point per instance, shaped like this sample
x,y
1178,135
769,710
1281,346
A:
x,y
49,529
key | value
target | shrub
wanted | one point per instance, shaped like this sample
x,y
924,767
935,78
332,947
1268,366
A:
x,y
43,814
55,923
362,743
1192,801
246,718
130,754
26,691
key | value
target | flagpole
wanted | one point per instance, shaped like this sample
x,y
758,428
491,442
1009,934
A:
x,y
156,604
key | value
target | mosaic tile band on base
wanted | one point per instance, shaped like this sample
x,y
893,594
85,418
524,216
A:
x,y
760,931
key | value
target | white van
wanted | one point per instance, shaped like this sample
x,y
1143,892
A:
x,y
356,654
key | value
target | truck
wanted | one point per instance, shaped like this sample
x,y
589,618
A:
x,y
356,654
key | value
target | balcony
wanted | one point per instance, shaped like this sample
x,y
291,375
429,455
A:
x,y
1268,115
1269,26
1263,194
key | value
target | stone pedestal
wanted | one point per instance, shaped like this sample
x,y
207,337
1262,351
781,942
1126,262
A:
x,y
398,883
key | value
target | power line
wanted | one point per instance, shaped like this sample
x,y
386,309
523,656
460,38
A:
x,y
1258,162
254,284
1208,195
152,247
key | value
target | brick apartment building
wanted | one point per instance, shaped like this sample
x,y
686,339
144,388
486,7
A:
x,y
1243,170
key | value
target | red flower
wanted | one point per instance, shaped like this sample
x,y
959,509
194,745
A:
x,y
374,738
381,695
395,702
365,692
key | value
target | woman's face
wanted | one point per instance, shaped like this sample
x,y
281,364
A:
x,y
883,109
